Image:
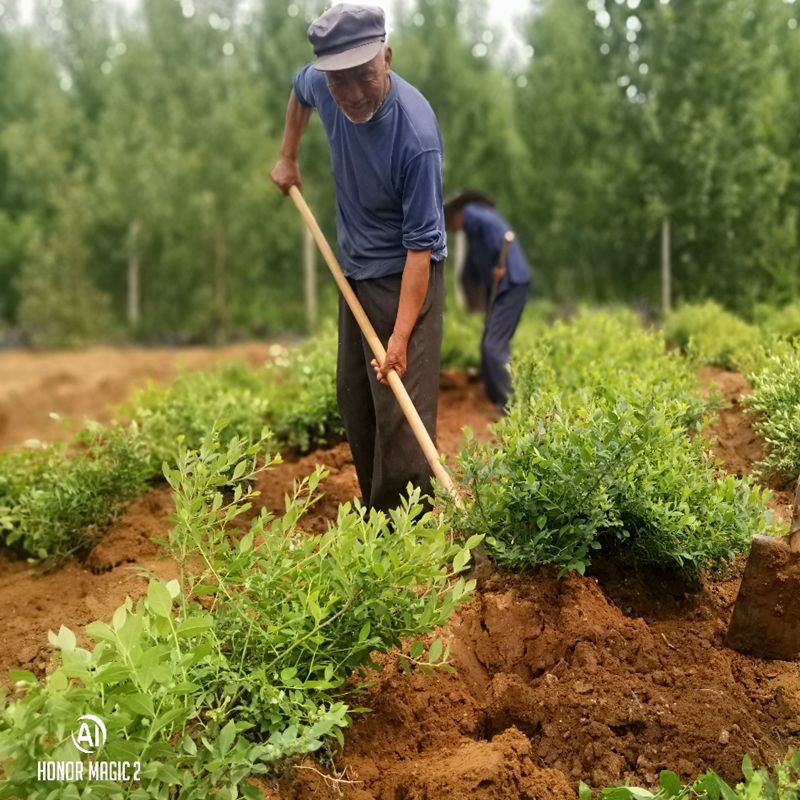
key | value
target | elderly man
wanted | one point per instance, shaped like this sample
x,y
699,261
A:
x,y
386,155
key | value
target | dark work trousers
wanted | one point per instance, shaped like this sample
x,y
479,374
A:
x,y
385,451
496,341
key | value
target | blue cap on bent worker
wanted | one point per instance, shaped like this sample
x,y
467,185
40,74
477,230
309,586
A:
x,y
347,35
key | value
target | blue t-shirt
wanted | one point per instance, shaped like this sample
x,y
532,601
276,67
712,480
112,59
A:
x,y
485,229
388,175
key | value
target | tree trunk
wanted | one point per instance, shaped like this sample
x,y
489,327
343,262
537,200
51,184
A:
x,y
221,283
134,275
459,257
666,268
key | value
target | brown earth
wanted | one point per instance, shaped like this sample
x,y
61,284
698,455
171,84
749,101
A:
x,y
89,382
604,678
736,444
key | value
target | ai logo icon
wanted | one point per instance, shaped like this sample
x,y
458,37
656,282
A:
x,y
89,738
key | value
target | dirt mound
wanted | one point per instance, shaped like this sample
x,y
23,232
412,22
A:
x,y
563,680
78,593
484,770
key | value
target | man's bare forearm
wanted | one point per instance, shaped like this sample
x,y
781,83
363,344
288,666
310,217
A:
x,y
297,117
413,288
286,172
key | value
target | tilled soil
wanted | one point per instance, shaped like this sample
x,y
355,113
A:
x,y
604,678
90,382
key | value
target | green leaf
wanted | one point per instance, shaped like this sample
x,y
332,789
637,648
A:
x,y
747,767
186,687
194,626
158,598
435,652
168,774
246,543
57,682
112,673
250,792
474,541
226,737
140,704
461,560
100,631
167,718
118,619
670,783
640,794
23,675
65,640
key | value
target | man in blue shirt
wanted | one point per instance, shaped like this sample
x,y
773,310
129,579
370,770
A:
x,y
386,156
501,289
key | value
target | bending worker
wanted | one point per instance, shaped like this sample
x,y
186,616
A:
x,y
386,155
497,279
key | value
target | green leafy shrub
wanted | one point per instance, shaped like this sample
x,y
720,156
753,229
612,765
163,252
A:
x,y
608,351
596,452
462,332
56,500
775,407
782,322
461,339
295,395
624,475
303,411
714,336
185,411
204,697
780,783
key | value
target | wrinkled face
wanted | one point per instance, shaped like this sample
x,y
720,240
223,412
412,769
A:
x,y
359,91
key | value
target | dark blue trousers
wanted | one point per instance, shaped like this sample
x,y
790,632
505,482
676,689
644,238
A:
x,y
385,451
496,341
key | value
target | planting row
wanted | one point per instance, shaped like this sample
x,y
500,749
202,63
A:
x,y
602,449
245,660
57,499
767,352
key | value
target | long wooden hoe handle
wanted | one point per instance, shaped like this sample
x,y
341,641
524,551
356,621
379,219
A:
x,y
411,413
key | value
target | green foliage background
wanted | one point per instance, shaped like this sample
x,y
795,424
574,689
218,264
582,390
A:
x,y
138,143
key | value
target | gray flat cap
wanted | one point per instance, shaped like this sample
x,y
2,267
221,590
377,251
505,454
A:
x,y
347,35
